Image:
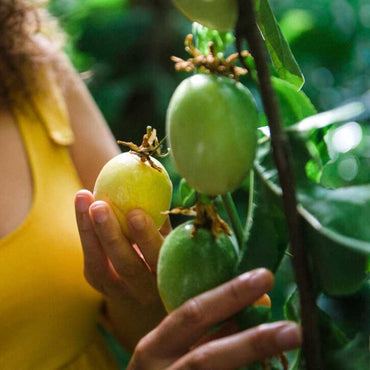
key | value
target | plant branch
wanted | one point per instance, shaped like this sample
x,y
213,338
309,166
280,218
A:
x,y
247,28
234,218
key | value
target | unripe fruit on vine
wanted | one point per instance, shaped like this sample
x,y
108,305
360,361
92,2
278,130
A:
x,y
211,126
220,15
127,183
263,301
189,266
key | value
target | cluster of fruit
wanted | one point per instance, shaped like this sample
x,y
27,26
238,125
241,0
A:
x,y
211,128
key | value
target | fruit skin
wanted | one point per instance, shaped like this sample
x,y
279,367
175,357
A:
x,y
263,301
220,15
127,183
211,126
189,266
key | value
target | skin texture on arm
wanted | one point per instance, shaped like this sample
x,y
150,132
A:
x,y
94,143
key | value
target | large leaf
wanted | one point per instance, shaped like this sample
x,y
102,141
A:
x,y
339,352
354,356
267,239
339,214
335,222
342,215
281,55
350,313
294,105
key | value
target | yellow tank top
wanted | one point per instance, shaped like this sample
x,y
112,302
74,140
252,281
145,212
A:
x,y
48,313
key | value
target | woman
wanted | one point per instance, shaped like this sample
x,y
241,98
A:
x,y
53,142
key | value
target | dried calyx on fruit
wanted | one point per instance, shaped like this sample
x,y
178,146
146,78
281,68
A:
x,y
210,63
206,217
136,180
197,256
150,146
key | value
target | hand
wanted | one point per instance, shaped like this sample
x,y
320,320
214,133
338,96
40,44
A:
x,y
174,344
123,271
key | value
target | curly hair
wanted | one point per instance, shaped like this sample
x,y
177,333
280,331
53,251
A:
x,y
29,38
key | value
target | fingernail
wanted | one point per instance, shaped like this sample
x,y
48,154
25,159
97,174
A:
x,y
137,220
99,213
290,336
82,204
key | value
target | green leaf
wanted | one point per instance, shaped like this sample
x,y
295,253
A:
x,y
352,312
338,271
335,222
339,214
187,194
268,238
339,352
291,307
354,356
281,55
294,105
338,115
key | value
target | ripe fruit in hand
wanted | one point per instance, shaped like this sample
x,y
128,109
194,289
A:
x,y
220,15
212,131
188,265
126,183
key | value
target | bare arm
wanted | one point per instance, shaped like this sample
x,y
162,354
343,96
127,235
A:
x,y
94,143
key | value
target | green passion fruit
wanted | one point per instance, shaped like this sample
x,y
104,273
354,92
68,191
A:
x,y
220,15
126,183
188,266
211,126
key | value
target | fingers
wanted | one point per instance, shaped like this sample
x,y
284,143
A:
x,y
97,268
126,261
186,325
244,348
166,227
144,232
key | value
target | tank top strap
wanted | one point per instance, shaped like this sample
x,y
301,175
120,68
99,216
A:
x,y
51,108
44,124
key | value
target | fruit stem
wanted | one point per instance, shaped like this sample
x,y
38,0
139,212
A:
x,y
247,29
156,153
234,219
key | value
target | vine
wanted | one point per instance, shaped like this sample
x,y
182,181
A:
x,y
247,29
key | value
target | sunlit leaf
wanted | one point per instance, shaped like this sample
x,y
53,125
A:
x,y
338,115
281,55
